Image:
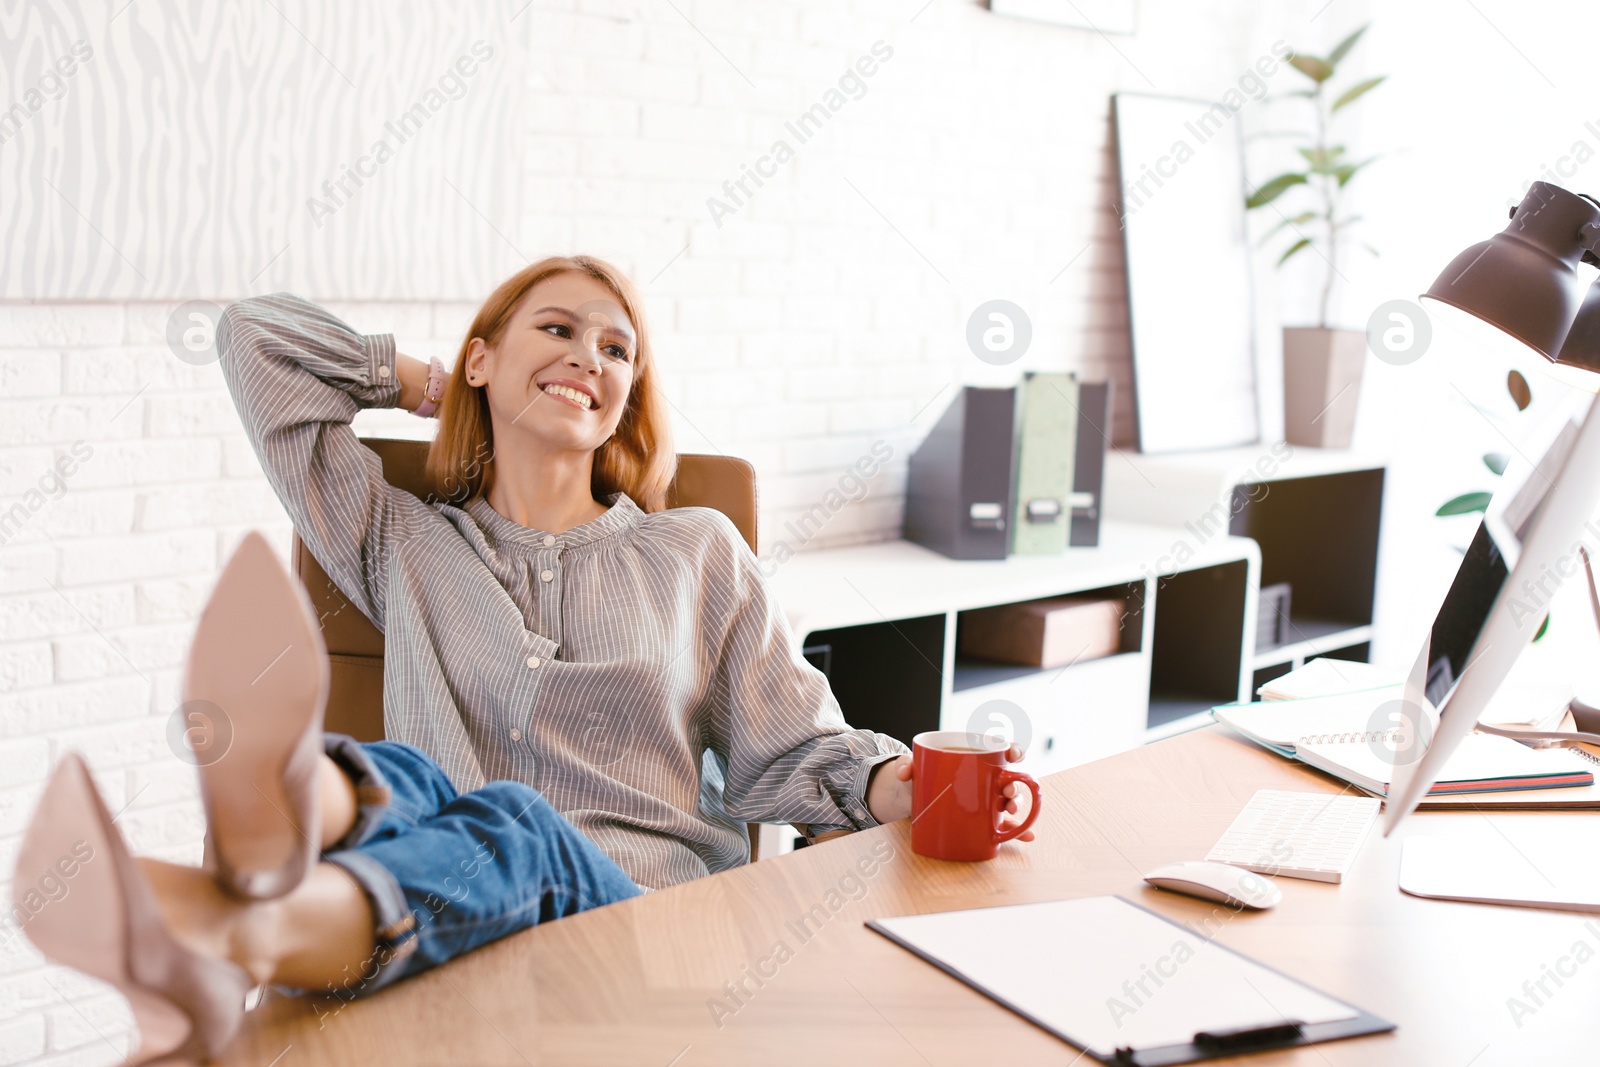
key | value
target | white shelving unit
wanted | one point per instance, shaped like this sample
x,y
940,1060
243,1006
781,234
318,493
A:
x,y
1314,512
888,615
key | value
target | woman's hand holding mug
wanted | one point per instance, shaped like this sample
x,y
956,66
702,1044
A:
x,y
954,788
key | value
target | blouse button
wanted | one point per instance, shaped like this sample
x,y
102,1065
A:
x,y
383,371
516,734
548,540
545,576
533,663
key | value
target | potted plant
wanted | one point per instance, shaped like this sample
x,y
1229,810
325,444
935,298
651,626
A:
x,y
1321,366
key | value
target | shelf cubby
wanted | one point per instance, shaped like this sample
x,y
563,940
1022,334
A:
x,y
887,676
1315,513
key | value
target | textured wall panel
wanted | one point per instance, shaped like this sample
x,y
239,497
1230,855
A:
x,y
349,149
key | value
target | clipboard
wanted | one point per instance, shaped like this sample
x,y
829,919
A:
x,y
1127,985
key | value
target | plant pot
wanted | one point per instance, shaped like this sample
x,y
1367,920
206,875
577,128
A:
x,y
1321,385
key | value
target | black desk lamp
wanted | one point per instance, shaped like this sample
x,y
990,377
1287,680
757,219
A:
x,y
1524,280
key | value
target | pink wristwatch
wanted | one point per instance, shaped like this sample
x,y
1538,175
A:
x,y
433,392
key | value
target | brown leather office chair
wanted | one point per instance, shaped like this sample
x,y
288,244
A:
x,y
355,646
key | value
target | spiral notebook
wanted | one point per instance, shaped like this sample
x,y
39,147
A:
x,y
1482,763
1342,735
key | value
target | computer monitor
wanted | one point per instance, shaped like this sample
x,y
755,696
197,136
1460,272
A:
x,y
1524,550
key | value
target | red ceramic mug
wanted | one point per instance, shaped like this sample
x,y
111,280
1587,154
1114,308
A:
x,y
956,798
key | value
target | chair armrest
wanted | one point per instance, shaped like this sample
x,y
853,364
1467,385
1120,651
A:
x,y
754,830
818,838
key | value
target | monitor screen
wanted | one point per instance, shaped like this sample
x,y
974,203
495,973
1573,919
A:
x,y
1462,615
1523,554
1529,474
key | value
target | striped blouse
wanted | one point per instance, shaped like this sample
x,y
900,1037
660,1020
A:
x,y
634,669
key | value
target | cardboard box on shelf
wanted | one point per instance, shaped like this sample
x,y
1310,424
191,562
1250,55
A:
x,y
1053,632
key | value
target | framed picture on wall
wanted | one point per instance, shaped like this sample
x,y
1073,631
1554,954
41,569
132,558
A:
x,y
1180,182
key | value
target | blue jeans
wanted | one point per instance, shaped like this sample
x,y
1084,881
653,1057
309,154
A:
x,y
447,872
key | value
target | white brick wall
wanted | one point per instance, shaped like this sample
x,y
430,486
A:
x,y
824,314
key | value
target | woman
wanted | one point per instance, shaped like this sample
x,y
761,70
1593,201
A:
x,y
546,618
561,673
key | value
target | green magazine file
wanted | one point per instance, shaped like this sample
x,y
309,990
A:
x,y
1046,449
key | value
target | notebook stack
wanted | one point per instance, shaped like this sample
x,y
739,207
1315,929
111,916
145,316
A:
x,y
1351,736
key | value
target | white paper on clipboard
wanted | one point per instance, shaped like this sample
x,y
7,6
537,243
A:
x,y
1106,974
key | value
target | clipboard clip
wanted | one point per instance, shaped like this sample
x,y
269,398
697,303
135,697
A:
x,y
1245,1038
1223,1042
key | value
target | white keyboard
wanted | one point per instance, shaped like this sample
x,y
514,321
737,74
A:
x,y
1299,835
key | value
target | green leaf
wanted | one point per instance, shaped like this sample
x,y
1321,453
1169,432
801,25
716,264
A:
x,y
1495,461
1355,92
1346,171
1316,69
1342,49
1369,248
1465,504
1293,220
1309,94
1322,160
1543,626
1269,192
1304,242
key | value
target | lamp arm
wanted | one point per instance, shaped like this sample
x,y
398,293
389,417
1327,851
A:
x,y
1583,716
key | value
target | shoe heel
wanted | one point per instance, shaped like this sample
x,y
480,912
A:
x,y
257,677
86,904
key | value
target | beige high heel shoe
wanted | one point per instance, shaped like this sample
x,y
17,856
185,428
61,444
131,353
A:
x,y
89,906
255,687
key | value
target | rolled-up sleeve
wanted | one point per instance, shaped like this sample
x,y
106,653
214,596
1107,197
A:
x,y
791,756
298,375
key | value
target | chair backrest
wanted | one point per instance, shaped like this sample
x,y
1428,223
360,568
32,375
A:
x,y
355,647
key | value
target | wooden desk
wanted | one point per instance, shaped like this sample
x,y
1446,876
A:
x,y
634,983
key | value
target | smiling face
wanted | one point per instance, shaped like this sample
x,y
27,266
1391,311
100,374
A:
x,y
563,320
559,377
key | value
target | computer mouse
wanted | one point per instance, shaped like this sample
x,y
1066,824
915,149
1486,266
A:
x,y
1221,882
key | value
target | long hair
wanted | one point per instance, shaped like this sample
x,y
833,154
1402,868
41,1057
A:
x,y
638,459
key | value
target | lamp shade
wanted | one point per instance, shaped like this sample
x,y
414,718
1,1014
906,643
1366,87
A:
x,y
1582,346
1524,279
